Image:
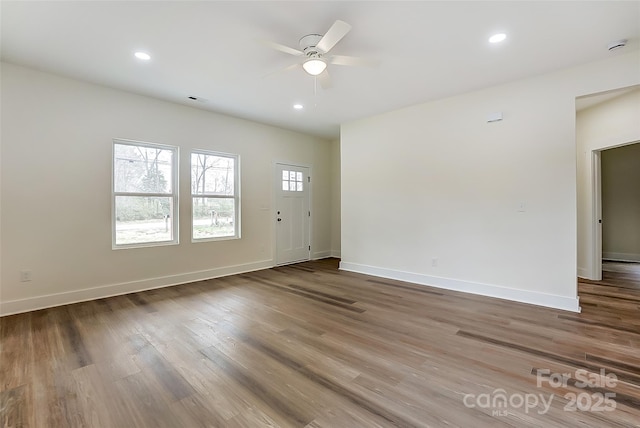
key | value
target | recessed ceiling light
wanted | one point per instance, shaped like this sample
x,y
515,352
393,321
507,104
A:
x,y
143,56
298,106
497,38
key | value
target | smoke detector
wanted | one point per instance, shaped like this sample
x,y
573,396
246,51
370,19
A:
x,y
617,44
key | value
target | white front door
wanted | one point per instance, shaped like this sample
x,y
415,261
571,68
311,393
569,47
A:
x,y
292,214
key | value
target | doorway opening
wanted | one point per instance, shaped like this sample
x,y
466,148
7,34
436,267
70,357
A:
x,y
606,120
617,203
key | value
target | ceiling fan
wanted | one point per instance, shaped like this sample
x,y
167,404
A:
x,y
314,52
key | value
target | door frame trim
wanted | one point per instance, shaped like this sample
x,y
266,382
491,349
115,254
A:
x,y
596,206
596,214
274,232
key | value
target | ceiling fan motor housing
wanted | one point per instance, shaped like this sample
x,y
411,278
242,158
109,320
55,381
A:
x,y
308,44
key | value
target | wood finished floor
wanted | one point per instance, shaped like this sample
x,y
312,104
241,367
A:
x,y
310,346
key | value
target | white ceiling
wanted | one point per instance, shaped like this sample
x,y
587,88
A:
x,y
210,49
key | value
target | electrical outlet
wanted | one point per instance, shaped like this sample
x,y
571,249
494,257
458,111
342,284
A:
x,y
434,262
25,275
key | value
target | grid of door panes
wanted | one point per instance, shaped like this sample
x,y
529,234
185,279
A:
x,y
292,181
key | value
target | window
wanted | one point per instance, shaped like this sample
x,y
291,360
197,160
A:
x,y
215,194
145,194
292,181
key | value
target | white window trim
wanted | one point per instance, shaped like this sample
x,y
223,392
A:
x,y
235,197
174,195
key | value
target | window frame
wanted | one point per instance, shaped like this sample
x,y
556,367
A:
x,y
174,195
235,196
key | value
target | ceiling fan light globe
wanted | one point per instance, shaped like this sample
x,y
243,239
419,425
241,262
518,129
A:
x,y
314,66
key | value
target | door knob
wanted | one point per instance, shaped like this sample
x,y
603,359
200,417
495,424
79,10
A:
x,y
279,219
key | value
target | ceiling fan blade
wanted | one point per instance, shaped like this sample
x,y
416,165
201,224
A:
x,y
325,80
338,30
353,61
287,68
282,48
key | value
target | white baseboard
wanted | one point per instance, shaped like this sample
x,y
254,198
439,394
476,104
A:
x,y
621,257
58,299
325,255
523,296
76,296
320,255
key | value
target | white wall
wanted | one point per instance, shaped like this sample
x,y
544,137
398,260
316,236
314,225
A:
x,y
436,181
609,124
56,197
621,202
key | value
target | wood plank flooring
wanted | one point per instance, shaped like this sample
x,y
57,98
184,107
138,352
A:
x,y
310,346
